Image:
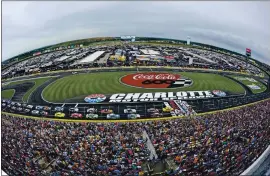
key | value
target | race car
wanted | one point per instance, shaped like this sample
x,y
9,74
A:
x,y
91,110
167,109
46,108
152,110
156,114
26,110
39,107
43,113
59,109
91,116
106,111
129,111
76,115
113,116
19,109
35,112
29,106
59,114
133,116
74,109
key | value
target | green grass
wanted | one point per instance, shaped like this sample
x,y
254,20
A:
x,y
7,94
108,83
247,82
37,82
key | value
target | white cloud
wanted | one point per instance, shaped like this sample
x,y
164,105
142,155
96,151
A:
x,y
234,25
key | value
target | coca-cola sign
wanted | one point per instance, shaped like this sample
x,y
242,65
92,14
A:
x,y
155,80
161,76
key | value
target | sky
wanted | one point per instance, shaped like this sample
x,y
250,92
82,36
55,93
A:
x,y
231,25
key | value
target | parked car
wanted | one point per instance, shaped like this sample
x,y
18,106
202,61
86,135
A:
x,y
113,116
130,111
35,112
12,103
24,105
13,108
91,110
91,116
18,104
152,110
133,116
59,114
76,115
59,109
106,111
74,109
4,104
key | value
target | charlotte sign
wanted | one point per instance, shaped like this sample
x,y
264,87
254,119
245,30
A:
x,y
154,80
150,97
159,96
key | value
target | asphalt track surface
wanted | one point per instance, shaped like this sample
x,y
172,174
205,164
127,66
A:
x,y
118,108
20,90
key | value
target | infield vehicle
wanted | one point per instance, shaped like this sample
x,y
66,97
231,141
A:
x,y
106,111
35,112
152,110
167,109
74,109
91,116
91,110
59,109
133,116
113,116
76,115
130,111
156,114
59,114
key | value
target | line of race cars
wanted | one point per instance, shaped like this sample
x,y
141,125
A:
x,y
172,108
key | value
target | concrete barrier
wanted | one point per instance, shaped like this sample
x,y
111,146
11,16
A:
x,y
251,169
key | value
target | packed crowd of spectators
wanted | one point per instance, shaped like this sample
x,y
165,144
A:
x,y
220,144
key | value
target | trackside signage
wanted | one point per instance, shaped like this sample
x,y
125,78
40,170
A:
x,y
159,96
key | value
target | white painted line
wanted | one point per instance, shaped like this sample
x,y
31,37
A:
x,y
76,105
63,105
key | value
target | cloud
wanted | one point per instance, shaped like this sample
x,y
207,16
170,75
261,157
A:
x,y
233,25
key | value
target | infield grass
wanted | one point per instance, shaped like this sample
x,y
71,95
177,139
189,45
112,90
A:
x,y
108,83
7,94
247,82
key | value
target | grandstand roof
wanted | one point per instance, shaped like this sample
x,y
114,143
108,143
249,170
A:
x,y
149,52
62,58
91,57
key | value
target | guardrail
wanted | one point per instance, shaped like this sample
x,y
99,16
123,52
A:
x,y
251,169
